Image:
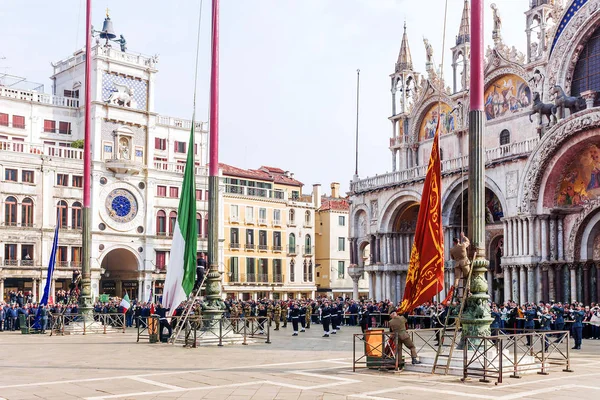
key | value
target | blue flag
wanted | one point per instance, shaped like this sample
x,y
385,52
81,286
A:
x,y
51,265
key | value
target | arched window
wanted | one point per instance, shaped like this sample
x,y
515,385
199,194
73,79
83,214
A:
x,y
205,229
292,217
63,211
10,211
292,271
199,224
76,215
161,223
292,244
307,245
586,75
504,137
27,212
172,220
307,218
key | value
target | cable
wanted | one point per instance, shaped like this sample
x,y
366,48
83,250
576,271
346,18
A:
x,y
196,65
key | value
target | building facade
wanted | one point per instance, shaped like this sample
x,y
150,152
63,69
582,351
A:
x,y
269,235
332,251
138,157
542,162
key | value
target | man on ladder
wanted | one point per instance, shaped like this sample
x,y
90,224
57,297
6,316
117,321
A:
x,y
462,265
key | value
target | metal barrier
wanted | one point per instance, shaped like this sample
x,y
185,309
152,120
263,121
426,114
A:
x,y
99,323
198,329
147,328
380,350
539,351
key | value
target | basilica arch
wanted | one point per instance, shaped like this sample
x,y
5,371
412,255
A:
x,y
120,272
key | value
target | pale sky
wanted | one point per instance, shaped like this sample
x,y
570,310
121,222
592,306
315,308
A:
x,y
288,67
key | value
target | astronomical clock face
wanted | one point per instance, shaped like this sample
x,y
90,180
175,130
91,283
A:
x,y
121,205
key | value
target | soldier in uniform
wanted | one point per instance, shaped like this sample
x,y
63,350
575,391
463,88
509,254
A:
x,y
270,313
277,315
308,315
325,318
247,313
559,321
577,316
530,316
284,313
458,253
295,315
398,326
545,320
302,316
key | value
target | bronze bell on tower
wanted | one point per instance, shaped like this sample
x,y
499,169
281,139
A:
x,y
107,32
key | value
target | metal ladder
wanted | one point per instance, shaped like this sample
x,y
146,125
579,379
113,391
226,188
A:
x,y
189,306
465,291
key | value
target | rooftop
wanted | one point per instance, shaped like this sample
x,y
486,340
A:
x,y
269,174
334,204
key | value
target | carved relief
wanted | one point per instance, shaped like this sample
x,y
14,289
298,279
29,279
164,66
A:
x,y
512,184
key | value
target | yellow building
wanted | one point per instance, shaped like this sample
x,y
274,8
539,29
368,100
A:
x,y
332,251
269,235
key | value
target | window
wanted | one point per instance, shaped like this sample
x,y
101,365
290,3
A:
x,y
27,176
586,75
342,220
276,217
305,271
277,275
10,211
250,237
504,137
160,144
77,181
161,191
307,218
10,175
234,238
49,126
250,269
180,147
73,94
172,221
292,217
76,256
250,214
262,240
205,226
18,122
76,215
63,211
27,212
62,255
341,244
341,270
26,254
233,212
62,179
262,215
292,270
277,241
161,223
3,119
198,195
10,252
64,128
307,245
234,270
199,224
174,192
295,195
161,259
292,244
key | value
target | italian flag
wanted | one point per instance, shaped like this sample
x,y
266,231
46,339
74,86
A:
x,y
125,303
181,271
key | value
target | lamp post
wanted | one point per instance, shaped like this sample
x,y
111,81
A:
x,y
476,318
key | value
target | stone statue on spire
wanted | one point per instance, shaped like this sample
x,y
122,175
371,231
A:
x,y
496,33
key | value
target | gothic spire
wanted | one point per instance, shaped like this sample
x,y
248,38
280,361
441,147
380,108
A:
x,y
464,33
404,62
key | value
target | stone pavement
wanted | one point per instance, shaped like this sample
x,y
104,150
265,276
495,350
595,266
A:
x,y
113,366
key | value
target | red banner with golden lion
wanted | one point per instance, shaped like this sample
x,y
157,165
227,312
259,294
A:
x,y
425,276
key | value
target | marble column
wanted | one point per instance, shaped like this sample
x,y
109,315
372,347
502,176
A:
x,y
566,283
560,238
586,284
355,294
392,239
544,236
371,276
402,284
522,241
538,283
551,285
559,283
515,283
597,282
508,238
579,274
34,291
507,284
516,237
53,289
530,284
398,287
386,286
545,284
522,285
531,225
140,287
573,282
378,249
1,289
553,249
378,286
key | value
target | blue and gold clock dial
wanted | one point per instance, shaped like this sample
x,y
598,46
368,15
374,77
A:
x,y
121,205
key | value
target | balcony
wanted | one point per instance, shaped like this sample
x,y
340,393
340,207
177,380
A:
x,y
276,249
161,234
178,168
234,246
263,247
18,263
308,224
492,156
276,222
262,221
249,221
278,278
292,250
180,123
254,192
234,219
249,246
291,223
41,149
307,251
308,277
37,97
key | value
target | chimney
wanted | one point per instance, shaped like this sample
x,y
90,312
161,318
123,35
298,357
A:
x,y
335,190
317,195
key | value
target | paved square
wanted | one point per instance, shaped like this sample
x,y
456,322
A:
x,y
306,367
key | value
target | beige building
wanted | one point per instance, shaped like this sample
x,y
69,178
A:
x,y
269,235
332,250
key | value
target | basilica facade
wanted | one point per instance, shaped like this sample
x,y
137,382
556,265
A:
x,y
542,160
